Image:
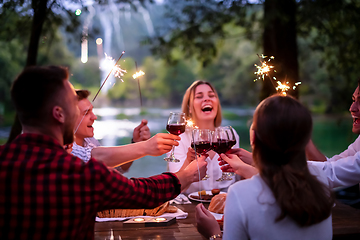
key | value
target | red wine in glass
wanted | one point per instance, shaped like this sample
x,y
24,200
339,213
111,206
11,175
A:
x,y
201,142
223,145
175,129
223,141
175,125
201,147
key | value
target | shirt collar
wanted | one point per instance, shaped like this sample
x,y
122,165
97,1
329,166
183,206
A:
x,y
40,140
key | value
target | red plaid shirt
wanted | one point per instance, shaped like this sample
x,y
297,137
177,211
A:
x,y
46,193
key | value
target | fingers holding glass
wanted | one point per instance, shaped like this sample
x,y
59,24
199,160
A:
x,y
175,125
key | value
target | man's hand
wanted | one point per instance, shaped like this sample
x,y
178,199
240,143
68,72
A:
x,y
193,172
141,132
205,222
160,144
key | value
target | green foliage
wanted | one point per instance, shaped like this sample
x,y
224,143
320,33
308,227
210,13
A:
x,y
86,74
11,63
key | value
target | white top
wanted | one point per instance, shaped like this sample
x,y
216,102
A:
x,y
342,170
84,152
213,169
251,210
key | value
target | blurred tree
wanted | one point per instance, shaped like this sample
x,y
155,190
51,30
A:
x,y
195,26
331,28
43,13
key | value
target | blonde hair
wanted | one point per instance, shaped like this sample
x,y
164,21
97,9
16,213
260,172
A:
x,y
188,102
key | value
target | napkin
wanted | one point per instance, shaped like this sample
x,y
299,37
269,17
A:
x,y
179,215
180,199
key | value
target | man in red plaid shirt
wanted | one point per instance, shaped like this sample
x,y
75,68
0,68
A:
x,y
46,193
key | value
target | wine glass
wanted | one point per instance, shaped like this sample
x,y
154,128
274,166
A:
x,y
175,125
201,143
223,141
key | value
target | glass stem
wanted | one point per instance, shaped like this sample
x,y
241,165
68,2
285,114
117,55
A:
x,y
172,151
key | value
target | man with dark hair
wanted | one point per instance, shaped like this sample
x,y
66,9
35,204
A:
x,y
47,193
86,146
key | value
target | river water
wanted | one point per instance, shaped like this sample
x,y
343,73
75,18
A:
x,y
111,131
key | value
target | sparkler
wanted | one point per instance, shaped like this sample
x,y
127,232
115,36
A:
x,y
118,72
264,70
137,75
190,123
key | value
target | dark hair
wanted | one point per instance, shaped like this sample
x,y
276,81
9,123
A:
x,y
188,100
36,90
82,94
282,128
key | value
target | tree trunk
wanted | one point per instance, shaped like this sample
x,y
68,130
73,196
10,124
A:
x,y
279,40
40,12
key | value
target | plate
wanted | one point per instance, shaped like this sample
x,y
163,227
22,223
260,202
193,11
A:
x,y
201,200
218,216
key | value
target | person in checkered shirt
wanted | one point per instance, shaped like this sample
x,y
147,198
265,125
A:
x,y
47,193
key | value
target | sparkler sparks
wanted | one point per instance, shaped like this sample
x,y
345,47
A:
x,y
138,74
118,72
264,69
190,123
115,68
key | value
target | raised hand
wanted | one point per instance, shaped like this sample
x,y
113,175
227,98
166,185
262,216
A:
x,y
141,132
244,155
238,166
161,143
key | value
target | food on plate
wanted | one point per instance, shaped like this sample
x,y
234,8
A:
x,y
217,203
202,196
121,213
203,192
215,191
171,209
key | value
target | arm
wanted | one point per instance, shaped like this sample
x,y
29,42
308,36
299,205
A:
x,y
238,166
235,216
313,154
155,146
350,151
344,172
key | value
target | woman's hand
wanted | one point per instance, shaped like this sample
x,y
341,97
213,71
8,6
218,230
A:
x,y
237,165
205,222
244,155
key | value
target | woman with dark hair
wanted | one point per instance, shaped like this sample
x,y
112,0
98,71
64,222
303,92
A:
x,y
287,199
201,104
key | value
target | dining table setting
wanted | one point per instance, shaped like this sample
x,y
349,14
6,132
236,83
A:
x,y
181,224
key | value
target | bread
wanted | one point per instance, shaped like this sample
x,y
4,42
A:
x,y
121,213
217,203
171,209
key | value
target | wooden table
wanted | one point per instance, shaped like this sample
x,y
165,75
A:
x,y
346,225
